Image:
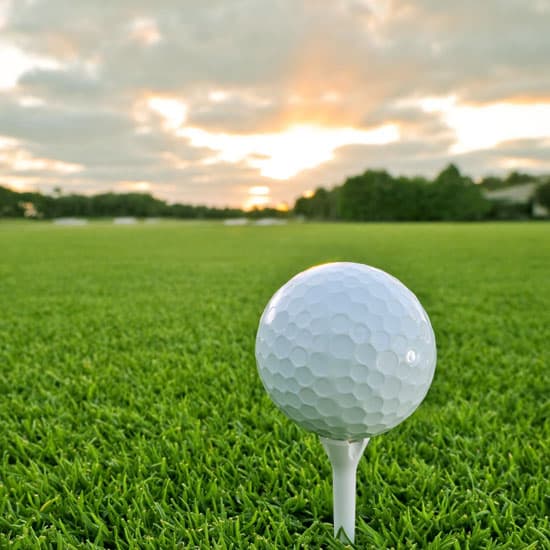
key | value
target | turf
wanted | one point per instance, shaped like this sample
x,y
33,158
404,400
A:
x,y
131,414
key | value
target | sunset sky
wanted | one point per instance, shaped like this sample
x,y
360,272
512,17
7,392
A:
x,y
255,102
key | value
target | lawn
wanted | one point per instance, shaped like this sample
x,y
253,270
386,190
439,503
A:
x,y
132,416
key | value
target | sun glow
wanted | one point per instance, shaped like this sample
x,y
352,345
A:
x,y
283,155
137,186
256,202
259,190
277,155
258,197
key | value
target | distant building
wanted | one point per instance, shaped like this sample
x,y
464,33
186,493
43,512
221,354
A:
x,y
270,221
235,221
522,194
70,221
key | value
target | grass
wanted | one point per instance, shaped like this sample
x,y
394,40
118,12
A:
x,y
131,414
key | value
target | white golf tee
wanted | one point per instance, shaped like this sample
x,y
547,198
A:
x,y
344,457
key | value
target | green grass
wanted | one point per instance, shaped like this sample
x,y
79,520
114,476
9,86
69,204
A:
x,y
131,414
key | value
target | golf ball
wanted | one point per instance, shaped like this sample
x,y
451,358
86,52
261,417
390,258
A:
x,y
345,350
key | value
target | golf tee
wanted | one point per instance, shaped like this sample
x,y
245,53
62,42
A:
x,y
344,457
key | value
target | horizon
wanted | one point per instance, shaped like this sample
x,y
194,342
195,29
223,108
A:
x,y
255,104
288,206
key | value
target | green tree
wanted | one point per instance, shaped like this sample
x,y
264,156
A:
x,y
453,196
322,205
364,197
9,204
450,175
516,178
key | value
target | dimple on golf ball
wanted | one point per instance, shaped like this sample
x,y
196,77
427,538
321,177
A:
x,y
345,350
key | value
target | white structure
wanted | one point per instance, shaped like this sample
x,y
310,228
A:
x,y
70,221
270,221
519,194
125,220
236,221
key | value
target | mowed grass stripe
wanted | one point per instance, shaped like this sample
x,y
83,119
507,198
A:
x,y
132,415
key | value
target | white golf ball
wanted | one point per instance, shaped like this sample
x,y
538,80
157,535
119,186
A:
x,y
345,350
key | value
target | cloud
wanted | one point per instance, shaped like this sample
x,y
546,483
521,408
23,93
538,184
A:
x,y
237,113
526,155
80,89
58,125
60,85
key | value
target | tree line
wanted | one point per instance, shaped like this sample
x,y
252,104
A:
x,y
104,205
374,195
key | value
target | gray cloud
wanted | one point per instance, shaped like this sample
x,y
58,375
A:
x,y
235,115
345,62
529,155
412,158
65,85
531,148
45,124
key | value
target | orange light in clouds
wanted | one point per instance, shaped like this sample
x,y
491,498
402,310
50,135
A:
x,y
20,184
256,201
277,155
20,160
139,186
259,190
258,197
284,154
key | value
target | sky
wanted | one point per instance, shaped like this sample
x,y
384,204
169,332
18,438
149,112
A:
x,y
257,102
